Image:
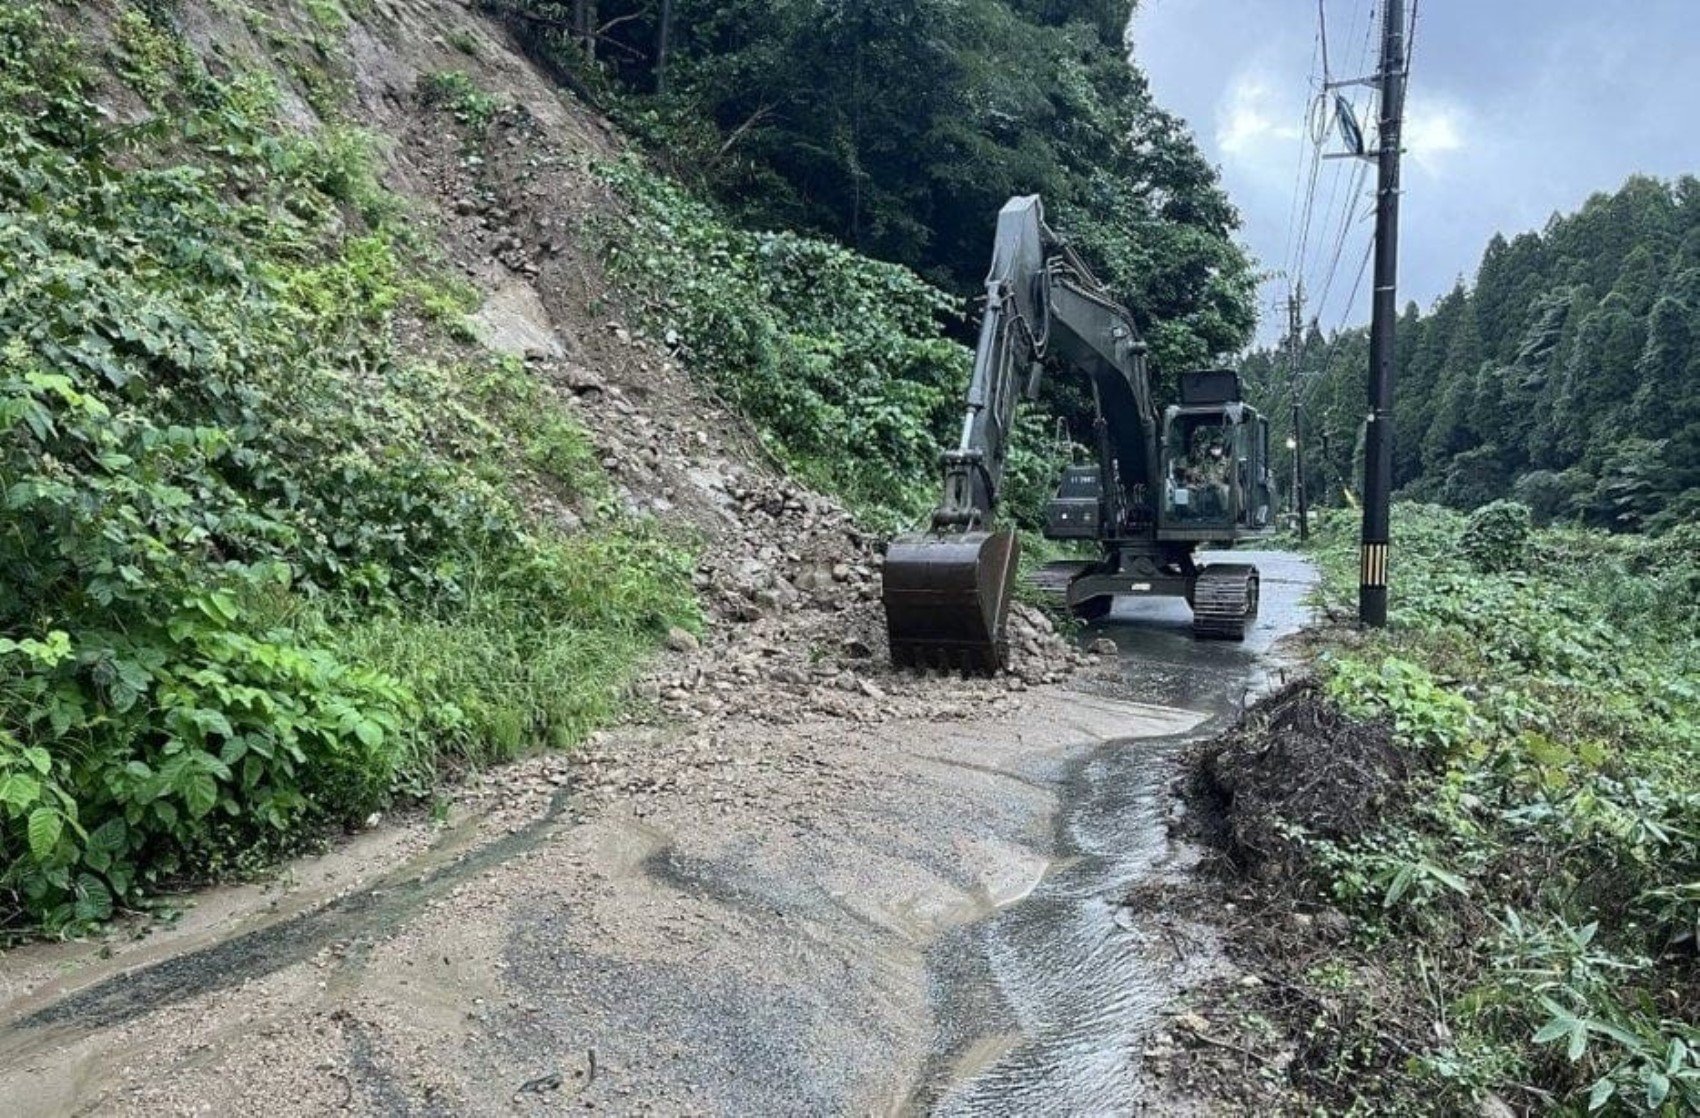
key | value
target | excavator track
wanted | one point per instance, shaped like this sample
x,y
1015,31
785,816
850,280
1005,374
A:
x,y
1224,601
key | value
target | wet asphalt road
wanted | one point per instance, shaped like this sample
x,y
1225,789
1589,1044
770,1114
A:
x,y
949,934
1074,976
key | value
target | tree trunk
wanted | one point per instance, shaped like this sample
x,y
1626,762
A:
x,y
663,33
584,27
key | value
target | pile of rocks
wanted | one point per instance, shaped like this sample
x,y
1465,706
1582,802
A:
x,y
794,635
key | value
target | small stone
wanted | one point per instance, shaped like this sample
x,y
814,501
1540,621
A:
x,y
1333,924
1192,1023
1492,1106
1103,646
682,640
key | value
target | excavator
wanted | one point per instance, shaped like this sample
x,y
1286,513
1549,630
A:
x,y
1159,485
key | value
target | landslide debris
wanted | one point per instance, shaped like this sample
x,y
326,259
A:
x,y
793,637
1294,761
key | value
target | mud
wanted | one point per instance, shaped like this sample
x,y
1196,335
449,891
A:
x,y
942,926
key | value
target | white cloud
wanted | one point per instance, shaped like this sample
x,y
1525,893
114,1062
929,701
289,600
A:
x,y
1435,130
1252,117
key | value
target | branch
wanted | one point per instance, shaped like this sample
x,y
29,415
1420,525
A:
x,y
739,132
616,21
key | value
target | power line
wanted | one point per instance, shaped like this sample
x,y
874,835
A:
x,y
1336,213
1288,257
1340,210
1348,217
1357,284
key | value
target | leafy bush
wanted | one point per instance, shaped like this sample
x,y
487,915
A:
x,y
1496,535
227,490
1557,709
840,360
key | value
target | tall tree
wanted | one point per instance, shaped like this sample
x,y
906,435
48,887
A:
x,y
1571,364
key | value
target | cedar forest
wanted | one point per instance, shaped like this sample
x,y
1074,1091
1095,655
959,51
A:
x,y
1567,374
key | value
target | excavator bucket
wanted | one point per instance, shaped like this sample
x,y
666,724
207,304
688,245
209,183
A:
x,y
946,598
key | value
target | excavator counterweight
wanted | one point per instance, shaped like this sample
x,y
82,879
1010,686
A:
x,y
1161,485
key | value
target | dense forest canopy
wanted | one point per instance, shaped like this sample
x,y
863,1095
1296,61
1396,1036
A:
x,y
1567,375
899,127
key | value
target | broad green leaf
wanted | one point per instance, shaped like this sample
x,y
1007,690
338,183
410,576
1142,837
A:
x,y
45,827
20,790
234,749
200,794
94,900
111,836
1578,1041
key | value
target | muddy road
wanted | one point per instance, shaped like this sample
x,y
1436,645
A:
x,y
906,914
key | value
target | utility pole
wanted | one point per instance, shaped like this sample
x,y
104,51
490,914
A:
x,y
1378,435
1295,345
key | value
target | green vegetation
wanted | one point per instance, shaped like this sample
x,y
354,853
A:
x,y
1568,376
840,361
265,567
1540,895
900,128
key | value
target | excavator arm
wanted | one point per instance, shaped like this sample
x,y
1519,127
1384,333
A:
x,y
946,591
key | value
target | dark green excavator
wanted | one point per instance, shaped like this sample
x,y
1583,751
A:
x,y
1160,485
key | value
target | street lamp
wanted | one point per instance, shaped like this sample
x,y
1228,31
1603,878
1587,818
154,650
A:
x,y
1293,449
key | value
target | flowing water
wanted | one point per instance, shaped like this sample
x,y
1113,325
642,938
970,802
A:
x,y
1044,1007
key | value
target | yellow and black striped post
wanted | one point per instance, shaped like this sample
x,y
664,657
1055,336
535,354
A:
x,y
1372,570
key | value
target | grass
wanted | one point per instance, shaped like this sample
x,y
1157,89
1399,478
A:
x,y
1537,889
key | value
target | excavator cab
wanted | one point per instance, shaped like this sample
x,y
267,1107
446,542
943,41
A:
x,y
1215,464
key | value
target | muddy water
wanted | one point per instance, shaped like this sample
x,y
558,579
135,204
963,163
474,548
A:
x,y
1043,1007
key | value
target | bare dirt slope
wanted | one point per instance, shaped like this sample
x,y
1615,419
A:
x,y
757,895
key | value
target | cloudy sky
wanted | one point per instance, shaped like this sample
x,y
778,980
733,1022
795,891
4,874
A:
x,y
1517,109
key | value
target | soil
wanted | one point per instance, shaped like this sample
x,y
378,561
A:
x,y
1295,761
1307,1020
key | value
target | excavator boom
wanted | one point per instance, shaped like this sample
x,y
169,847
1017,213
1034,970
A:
x,y
946,590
